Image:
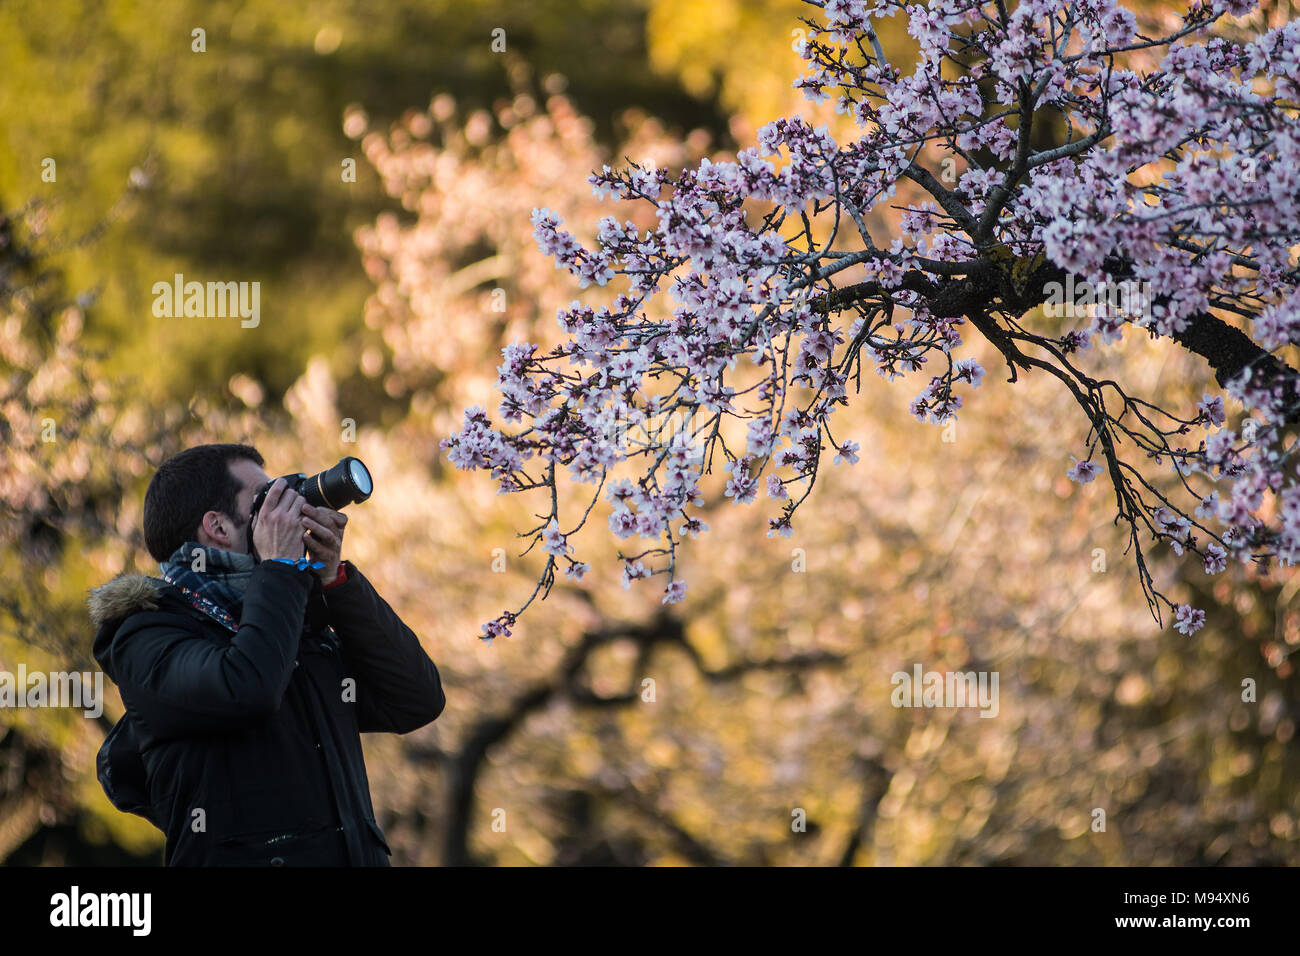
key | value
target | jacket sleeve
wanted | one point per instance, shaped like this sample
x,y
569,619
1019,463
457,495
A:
x,y
178,682
398,687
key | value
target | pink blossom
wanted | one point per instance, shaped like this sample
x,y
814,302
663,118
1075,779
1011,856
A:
x,y
1189,619
1082,471
1178,182
674,593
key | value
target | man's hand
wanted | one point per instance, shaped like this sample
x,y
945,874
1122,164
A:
x,y
323,536
277,529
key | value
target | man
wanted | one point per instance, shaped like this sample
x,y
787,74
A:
x,y
248,677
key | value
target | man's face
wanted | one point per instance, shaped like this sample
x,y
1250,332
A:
x,y
251,478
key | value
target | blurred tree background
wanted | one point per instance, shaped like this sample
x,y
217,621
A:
x,y
385,302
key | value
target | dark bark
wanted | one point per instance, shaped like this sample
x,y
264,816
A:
x,y
990,289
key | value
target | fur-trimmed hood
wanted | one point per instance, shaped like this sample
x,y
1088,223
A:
x,y
124,595
118,764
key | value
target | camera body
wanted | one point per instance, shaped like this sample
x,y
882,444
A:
x,y
346,483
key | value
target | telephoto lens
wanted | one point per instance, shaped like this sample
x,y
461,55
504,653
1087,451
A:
x,y
347,483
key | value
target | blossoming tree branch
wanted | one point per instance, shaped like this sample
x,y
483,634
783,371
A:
x,y
1059,152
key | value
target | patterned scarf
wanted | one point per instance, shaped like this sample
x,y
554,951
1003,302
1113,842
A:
x,y
217,590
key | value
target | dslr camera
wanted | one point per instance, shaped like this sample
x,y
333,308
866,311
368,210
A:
x,y
346,483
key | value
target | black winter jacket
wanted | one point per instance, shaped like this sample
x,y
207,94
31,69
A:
x,y
244,748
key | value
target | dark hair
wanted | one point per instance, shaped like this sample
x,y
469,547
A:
x,y
185,488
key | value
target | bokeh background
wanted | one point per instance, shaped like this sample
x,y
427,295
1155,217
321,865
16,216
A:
x,y
385,302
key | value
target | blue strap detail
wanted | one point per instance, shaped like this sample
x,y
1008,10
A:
x,y
301,564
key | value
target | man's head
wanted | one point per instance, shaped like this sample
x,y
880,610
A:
x,y
202,494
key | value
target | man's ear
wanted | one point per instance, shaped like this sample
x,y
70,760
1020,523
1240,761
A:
x,y
217,530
